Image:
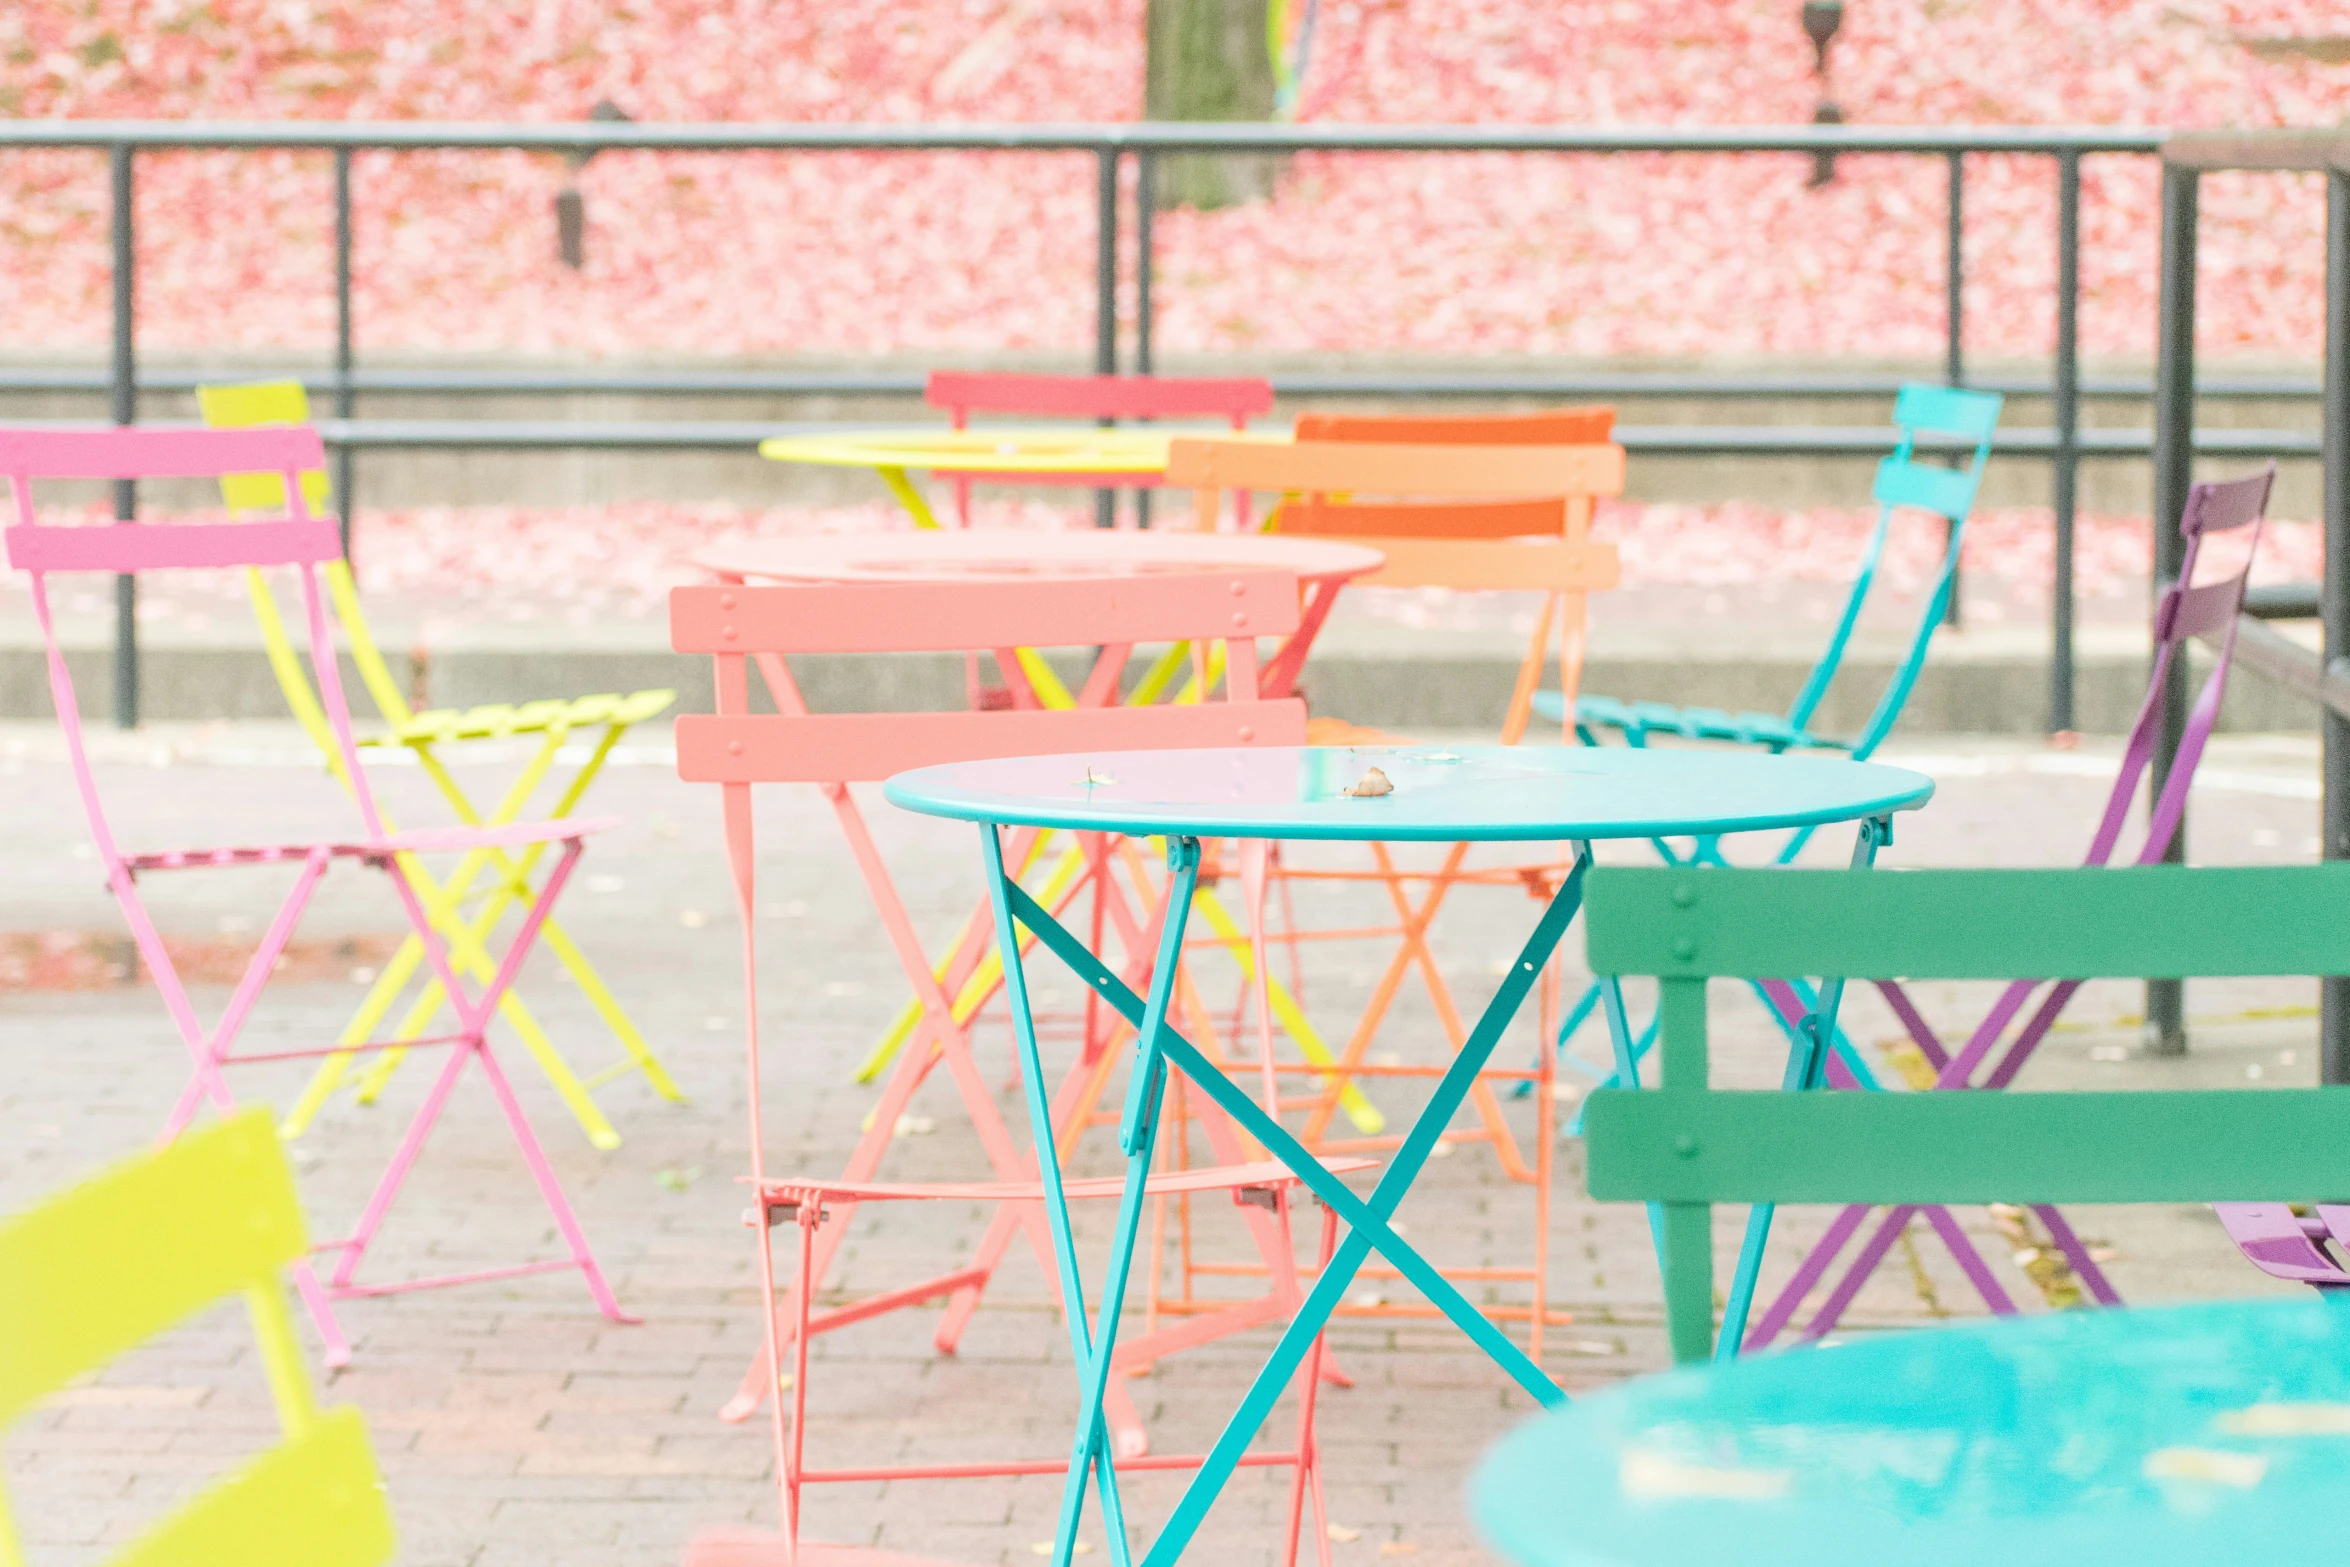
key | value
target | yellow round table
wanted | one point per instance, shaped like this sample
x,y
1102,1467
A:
x,y
1082,456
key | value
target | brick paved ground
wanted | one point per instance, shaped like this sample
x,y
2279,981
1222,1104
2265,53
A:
x,y
516,1425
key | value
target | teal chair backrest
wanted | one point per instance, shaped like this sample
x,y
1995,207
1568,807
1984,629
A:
x,y
1687,1145
1905,482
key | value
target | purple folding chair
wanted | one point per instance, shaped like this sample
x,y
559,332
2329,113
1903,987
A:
x,y
303,542
2307,1248
2185,612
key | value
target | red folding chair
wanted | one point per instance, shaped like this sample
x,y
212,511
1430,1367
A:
x,y
962,393
302,542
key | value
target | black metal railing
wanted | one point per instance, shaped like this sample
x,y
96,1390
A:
x,y
2064,444
2186,159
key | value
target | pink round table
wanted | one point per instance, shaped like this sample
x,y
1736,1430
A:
x,y
1323,566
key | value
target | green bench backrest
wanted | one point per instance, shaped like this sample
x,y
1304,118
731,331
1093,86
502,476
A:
x,y
1688,1146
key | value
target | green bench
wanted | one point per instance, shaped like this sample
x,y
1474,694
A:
x,y
1687,1146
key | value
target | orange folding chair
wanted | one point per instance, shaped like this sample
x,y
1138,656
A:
x,y
744,625
1471,505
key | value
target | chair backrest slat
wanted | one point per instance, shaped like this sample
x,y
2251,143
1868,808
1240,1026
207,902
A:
x,y
247,404
2209,607
965,392
1547,427
157,452
312,1501
1884,1148
870,747
2158,922
72,1299
1381,469
1901,481
1947,410
1510,565
913,617
140,547
2223,504
1320,517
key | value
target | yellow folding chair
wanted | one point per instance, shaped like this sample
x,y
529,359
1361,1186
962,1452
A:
x,y
607,716
115,1261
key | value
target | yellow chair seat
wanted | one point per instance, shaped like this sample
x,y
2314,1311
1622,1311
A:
x,y
495,720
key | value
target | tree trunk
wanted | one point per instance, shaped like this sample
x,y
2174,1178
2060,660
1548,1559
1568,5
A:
x,y
1206,60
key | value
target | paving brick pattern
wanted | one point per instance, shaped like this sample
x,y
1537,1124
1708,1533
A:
x,y
515,1425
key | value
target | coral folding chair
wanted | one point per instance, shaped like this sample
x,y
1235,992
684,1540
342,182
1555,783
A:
x,y
302,542
1687,1146
106,1266
1904,482
962,393
745,625
2185,612
601,721
1468,505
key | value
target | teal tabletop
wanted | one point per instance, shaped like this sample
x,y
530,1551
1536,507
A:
x,y
1436,793
2201,1434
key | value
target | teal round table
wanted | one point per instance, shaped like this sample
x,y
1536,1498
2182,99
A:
x,y
2209,1434
1443,794
1440,794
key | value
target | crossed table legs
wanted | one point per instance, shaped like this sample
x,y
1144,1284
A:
x,y
1159,1046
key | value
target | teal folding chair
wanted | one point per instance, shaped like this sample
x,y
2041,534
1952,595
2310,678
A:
x,y
1686,1146
1904,483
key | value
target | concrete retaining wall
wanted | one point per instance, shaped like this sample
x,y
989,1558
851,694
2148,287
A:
x,y
1960,695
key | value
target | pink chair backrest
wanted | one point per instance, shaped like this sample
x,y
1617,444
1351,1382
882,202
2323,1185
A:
x,y
737,623
130,452
299,540
962,393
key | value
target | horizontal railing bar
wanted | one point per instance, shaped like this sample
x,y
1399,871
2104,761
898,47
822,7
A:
x,y
2282,601
1868,441
2285,661
827,383
1762,440
416,135
1657,440
1645,384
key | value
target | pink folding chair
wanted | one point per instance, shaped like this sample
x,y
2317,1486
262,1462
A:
x,y
962,393
303,542
2187,611
741,625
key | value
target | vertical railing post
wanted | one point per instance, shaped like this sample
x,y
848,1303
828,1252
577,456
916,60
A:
x,y
346,397
2174,470
2068,436
1954,344
1105,306
2333,1027
1954,271
1146,206
125,390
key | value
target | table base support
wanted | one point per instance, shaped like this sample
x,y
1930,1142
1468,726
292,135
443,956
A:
x,y
1159,1046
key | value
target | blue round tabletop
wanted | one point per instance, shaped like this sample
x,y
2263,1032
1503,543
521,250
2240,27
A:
x,y
1435,793
2200,1434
